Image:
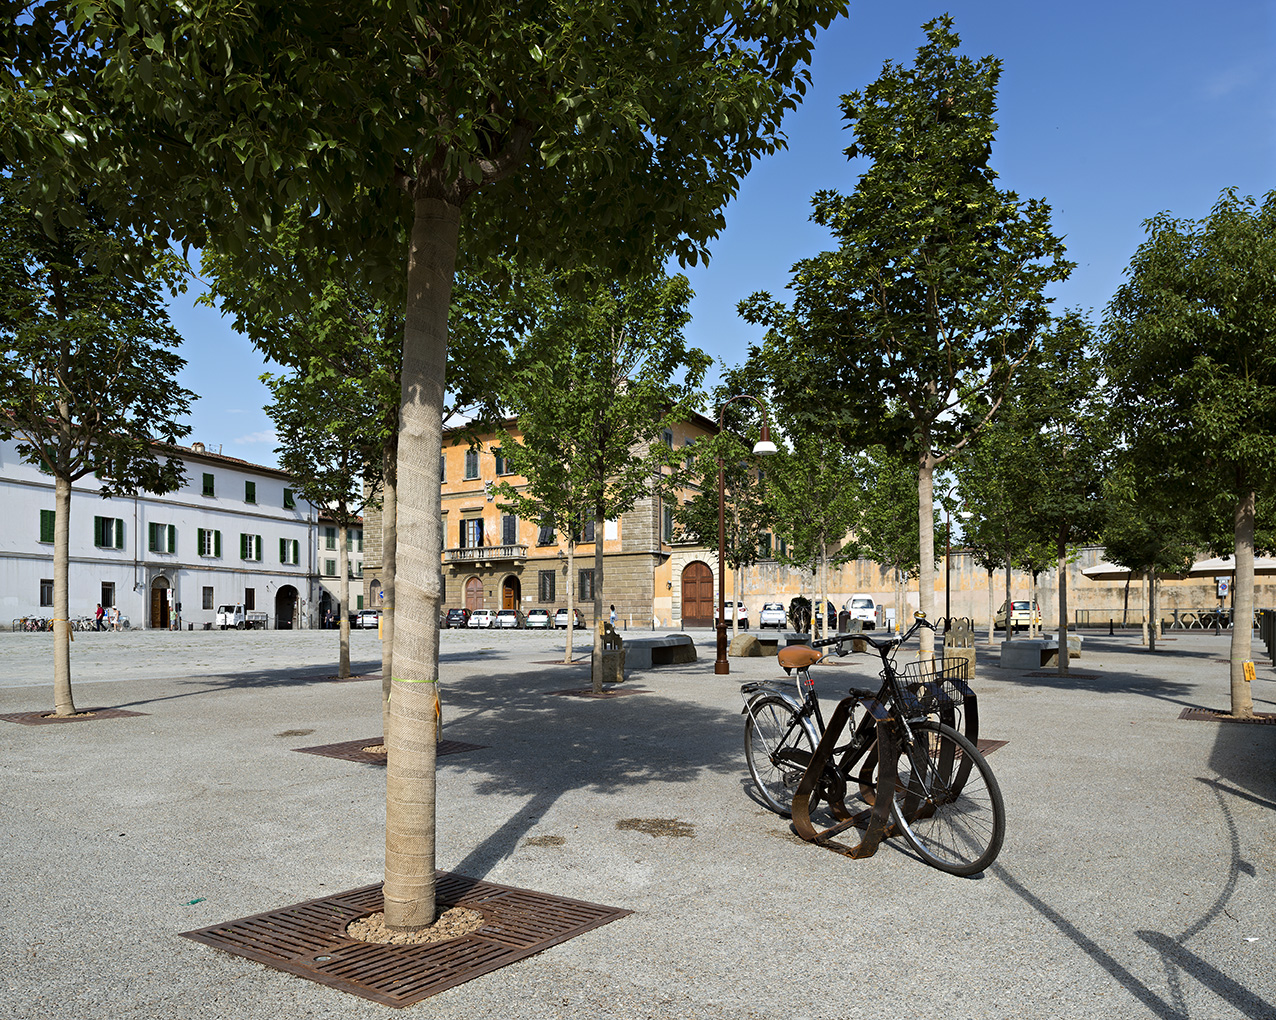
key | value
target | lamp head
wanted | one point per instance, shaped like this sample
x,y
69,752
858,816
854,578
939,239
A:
x,y
764,447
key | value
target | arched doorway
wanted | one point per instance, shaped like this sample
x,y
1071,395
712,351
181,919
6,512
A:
x,y
160,618
285,607
511,592
697,595
326,609
473,594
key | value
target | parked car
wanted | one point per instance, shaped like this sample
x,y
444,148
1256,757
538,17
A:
x,y
538,619
864,609
732,608
773,615
368,619
482,619
1022,613
509,619
560,620
240,618
456,617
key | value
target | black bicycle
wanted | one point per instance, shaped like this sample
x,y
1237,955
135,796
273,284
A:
x,y
914,737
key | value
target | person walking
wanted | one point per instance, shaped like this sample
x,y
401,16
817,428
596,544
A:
x,y
113,619
97,617
613,617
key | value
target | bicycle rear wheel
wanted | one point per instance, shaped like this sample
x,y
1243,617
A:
x,y
948,804
778,745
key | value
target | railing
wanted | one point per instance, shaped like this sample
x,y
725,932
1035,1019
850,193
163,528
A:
x,y
485,553
1171,619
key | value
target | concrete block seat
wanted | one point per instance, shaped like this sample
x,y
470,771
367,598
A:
x,y
659,650
1028,654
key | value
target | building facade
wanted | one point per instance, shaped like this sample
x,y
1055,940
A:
x,y
234,532
328,563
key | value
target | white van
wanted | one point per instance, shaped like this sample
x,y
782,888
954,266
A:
x,y
863,608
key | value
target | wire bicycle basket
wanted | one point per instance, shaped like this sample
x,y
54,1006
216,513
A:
x,y
935,686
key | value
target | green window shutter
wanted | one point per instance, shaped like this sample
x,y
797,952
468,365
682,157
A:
x,y
46,525
289,500
208,484
98,539
283,550
257,548
201,542
119,533
217,543
152,537
296,551
250,492
358,602
172,538
243,546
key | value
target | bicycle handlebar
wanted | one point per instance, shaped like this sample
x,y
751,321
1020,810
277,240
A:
x,y
919,622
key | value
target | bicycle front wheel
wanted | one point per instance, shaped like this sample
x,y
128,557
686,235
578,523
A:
x,y
947,802
778,745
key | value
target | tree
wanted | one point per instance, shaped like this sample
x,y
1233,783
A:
x,y
574,132
87,368
1190,352
329,428
910,331
593,386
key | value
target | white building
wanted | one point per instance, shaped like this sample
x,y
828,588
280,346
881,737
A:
x,y
328,562
234,532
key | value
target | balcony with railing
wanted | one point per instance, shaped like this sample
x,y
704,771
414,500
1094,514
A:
x,y
480,554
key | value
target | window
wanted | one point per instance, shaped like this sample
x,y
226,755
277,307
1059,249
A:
x,y
330,538
509,529
782,547
250,598
689,461
46,526
208,598
290,501
585,530
46,591
667,436
471,532
471,464
355,567
209,542
108,532
545,586
442,467
354,540
666,524
161,538
501,467
358,603
442,589
546,534
586,590
289,551
209,489
250,492
330,568
764,547
108,594
250,547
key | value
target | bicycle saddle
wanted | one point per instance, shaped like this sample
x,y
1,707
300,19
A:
x,y
798,657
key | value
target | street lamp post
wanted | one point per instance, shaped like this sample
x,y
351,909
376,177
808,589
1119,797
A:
x,y
762,448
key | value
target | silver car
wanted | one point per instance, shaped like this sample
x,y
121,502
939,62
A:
x,y
773,615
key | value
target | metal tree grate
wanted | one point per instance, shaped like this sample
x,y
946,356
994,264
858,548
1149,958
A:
x,y
82,715
1209,715
308,939
607,692
353,750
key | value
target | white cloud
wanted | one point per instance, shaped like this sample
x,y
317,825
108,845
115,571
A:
x,y
268,436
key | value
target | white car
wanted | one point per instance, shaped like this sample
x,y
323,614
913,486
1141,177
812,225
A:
x,y
773,615
368,619
864,609
482,618
509,619
732,609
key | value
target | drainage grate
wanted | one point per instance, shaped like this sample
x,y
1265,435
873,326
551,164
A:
x,y
986,747
607,692
83,715
1209,715
308,939
560,662
1073,674
353,750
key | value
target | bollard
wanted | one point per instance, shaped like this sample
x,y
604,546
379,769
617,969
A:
x,y
1111,632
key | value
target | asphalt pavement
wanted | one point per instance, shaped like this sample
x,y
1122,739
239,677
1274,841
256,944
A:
x,y
1137,879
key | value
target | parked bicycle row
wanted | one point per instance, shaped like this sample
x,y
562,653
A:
x,y
37,624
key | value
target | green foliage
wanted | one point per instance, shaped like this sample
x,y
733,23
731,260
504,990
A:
x,y
888,529
87,352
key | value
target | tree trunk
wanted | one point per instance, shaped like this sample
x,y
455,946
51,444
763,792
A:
x,y
824,585
1010,609
571,594
410,741
1064,664
1143,604
600,619
1032,605
992,613
389,552
1243,606
62,703
926,543
1153,610
343,594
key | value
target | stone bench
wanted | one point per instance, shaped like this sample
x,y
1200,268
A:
x,y
665,650
1028,654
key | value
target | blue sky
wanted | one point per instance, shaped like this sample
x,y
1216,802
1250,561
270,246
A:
x,y
1111,112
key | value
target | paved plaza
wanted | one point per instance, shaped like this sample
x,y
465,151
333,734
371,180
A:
x,y
1137,879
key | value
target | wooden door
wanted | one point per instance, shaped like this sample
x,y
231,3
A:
x,y
697,595
511,592
473,594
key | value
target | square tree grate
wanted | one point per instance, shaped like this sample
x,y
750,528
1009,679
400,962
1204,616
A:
x,y
1209,715
308,939
83,715
607,692
353,750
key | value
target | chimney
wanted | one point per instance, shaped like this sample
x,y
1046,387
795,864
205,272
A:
x,y
197,447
